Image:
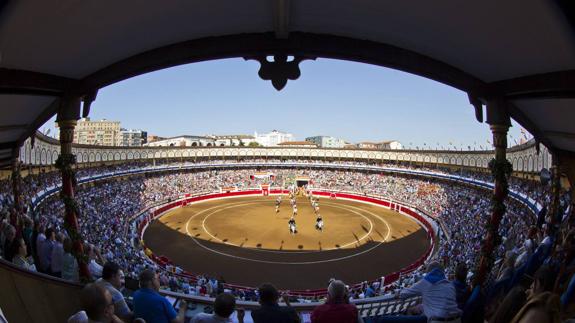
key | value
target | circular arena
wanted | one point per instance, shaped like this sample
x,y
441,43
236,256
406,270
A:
x,y
246,241
459,226
216,221
214,225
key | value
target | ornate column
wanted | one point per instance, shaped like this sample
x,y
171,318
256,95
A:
x,y
67,116
499,122
554,216
568,165
16,185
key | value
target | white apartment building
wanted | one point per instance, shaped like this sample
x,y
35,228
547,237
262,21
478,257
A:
x,y
273,138
183,141
391,144
384,145
233,140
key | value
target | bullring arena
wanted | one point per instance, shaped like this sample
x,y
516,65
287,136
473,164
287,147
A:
x,y
211,223
245,241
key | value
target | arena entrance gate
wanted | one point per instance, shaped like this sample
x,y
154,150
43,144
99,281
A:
x,y
302,181
265,189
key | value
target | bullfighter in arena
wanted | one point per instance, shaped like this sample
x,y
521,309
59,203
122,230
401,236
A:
x,y
278,202
292,226
319,223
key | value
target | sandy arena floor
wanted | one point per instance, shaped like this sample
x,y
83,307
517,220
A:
x,y
246,242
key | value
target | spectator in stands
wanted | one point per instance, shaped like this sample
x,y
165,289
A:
x,y
27,234
543,281
337,307
224,306
153,307
270,311
113,280
94,266
40,237
20,258
507,266
9,240
107,208
45,251
462,290
510,306
57,256
97,306
69,262
526,252
37,238
439,297
542,308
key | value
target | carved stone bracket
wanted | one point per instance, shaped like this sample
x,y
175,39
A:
x,y
88,99
280,70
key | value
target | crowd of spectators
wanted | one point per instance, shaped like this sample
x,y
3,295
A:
x,y
107,207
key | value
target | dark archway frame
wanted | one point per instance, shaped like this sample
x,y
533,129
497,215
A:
x,y
550,85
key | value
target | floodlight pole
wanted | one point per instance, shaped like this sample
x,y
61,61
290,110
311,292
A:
x,y
499,122
68,115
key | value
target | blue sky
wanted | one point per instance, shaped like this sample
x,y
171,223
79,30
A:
x,y
353,101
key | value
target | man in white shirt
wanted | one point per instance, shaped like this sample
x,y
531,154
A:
x,y
57,257
439,298
93,266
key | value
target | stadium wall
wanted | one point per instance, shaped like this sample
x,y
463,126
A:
x,y
45,150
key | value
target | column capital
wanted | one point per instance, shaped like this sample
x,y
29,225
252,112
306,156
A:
x,y
71,123
497,112
69,108
499,128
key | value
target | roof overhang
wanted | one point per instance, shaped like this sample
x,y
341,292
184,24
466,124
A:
x,y
523,52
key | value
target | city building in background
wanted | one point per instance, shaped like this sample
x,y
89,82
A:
x,y
273,138
183,141
106,133
132,137
102,133
233,140
384,145
391,144
327,141
367,145
152,138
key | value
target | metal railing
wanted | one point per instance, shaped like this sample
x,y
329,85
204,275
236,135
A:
x,y
367,307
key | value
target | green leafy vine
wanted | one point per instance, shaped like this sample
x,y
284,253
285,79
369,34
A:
x,y
501,170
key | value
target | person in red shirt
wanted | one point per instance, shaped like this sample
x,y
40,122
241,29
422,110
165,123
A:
x,y
337,308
